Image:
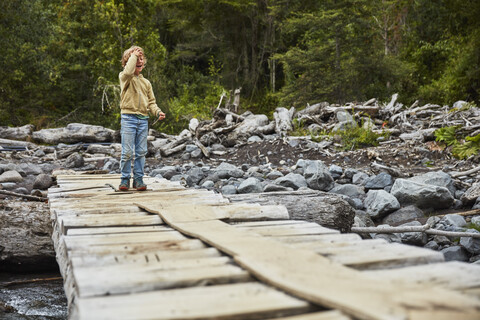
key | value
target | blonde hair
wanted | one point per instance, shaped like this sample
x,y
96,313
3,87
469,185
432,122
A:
x,y
127,53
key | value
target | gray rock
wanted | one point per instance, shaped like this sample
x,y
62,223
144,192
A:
x,y
292,180
413,238
167,172
208,184
11,176
39,153
349,173
228,189
422,195
274,175
112,165
31,168
403,214
393,237
359,178
379,203
438,178
335,171
196,174
254,139
476,220
190,148
455,253
364,219
379,181
184,179
472,245
250,185
75,160
42,181
318,176
452,222
471,195
226,170
271,187
432,245
196,154
350,190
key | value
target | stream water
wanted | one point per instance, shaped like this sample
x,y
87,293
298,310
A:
x,y
32,301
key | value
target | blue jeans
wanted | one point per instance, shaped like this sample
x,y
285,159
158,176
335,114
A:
x,y
134,133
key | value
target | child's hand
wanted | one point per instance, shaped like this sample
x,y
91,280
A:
x,y
161,116
137,52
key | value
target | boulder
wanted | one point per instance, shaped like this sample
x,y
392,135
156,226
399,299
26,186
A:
x,y
379,181
250,185
421,195
472,245
18,133
292,180
11,176
42,181
413,238
438,178
25,230
317,175
455,253
379,203
226,170
403,215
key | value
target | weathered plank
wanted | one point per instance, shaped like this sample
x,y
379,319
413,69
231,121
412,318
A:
x,y
334,286
152,257
107,220
323,315
454,275
114,230
148,277
232,301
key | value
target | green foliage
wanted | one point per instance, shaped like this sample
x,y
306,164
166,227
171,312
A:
x,y
299,129
471,147
359,137
60,59
462,148
448,135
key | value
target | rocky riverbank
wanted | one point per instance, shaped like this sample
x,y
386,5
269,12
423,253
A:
x,y
408,180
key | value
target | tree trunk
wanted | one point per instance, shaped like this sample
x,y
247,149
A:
x,y
326,209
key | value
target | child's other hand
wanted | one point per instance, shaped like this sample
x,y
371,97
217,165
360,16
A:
x,y
161,116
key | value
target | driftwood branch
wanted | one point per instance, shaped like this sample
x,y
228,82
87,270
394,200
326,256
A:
x,y
25,196
464,173
425,228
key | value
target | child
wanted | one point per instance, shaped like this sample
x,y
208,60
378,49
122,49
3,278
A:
x,y
136,102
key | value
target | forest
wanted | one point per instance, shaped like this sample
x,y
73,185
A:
x,y
60,59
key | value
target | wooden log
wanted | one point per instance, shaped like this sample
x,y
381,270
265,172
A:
x,y
326,209
424,229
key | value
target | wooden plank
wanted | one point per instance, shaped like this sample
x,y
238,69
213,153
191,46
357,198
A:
x,y
323,315
74,242
319,238
454,275
233,301
149,257
290,230
116,230
234,212
108,220
141,247
140,278
388,255
335,286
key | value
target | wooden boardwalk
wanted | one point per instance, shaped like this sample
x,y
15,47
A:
x,y
176,253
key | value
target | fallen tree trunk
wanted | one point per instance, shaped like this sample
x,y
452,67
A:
x,y
326,209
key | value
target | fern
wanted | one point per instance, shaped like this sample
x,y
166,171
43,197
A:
x,y
470,148
447,135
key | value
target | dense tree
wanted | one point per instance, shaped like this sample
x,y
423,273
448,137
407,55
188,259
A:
x,y
60,59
